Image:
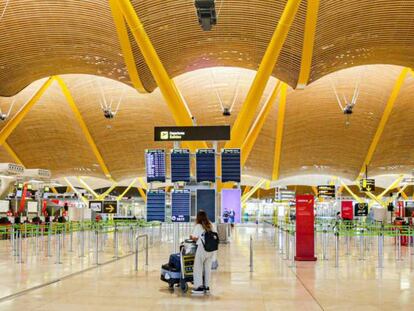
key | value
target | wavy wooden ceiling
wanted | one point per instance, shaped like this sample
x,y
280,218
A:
x,y
42,38
316,138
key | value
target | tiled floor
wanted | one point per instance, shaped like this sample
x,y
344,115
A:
x,y
356,284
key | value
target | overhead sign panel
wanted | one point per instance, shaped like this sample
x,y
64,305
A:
x,y
95,206
110,207
180,165
180,205
326,191
230,165
191,133
206,165
155,165
156,205
366,185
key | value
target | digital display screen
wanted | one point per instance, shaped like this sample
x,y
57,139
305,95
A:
x,y
206,165
180,165
206,200
230,165
231,205
155,165
156,205
180,205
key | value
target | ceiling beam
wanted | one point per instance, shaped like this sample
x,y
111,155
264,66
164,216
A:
x,y
258,125
308,43
108,192
18,117
143,183
83,126
383,122
142,194
248,110
279,131
88,187
76,191
246,196
126,190
172,97
13,154
126,47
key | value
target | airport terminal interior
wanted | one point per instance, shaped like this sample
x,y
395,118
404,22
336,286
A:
x,y
125,125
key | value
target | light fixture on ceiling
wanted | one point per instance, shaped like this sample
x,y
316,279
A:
x,y
206,13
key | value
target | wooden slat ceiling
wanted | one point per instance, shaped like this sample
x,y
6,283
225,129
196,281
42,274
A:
x,y
316,138
42,38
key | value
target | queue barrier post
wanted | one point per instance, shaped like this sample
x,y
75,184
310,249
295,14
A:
x,y
137,249
251,254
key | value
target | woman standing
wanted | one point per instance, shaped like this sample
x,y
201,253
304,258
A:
x,y
203,259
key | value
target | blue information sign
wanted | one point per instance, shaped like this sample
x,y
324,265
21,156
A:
x,y
206,165
180,165
180,205
230,165
156,205
206,201
155,165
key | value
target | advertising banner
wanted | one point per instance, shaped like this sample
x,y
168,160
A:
x,y
231,205
305,239
361,209
347,210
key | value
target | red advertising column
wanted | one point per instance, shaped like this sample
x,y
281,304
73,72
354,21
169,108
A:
x,y
347,210
305,236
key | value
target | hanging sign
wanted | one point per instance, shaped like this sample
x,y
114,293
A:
x,y
326,191
192,133
366,185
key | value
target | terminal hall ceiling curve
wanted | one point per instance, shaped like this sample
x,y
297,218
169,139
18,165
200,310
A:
x,y
40,39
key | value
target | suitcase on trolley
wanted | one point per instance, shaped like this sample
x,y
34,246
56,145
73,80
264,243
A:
x,y
223,232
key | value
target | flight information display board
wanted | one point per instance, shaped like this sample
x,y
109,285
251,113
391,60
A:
x,y
206,201
206,165
180,205
156,205
230,165
180,165
155,165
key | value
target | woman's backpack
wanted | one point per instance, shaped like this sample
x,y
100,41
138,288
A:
x,y
211,241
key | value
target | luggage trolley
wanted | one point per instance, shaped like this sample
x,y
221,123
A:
x,y
179,270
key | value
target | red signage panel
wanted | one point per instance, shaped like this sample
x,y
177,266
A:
x,y
305,236
347,210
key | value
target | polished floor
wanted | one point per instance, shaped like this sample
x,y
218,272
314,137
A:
x,y
273,285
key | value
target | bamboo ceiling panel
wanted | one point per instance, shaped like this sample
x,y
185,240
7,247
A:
x,y
42,38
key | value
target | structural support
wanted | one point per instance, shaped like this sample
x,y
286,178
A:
x,y
13,154
246,115
142,183
279,131
54,190
167,86
386,114
76,191
108,192
246,190
83,126
308,43
142,193
357,198
126,47
88,188
246,196
258,125
315,190
18,117
126,190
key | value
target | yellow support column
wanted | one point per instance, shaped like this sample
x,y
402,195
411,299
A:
x,y
126,190
18,117
308,43
83,126
142,193
108,192
167,86
387,112
88,188
76,191
13,154
258,125
126,47
246,115
279,131
143,183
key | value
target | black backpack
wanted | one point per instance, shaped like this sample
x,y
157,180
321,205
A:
x,y
211,241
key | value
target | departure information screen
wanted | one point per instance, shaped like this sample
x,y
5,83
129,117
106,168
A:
x,y
180,205
156,205
206,165
180,165
155,165
230,165
206,201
